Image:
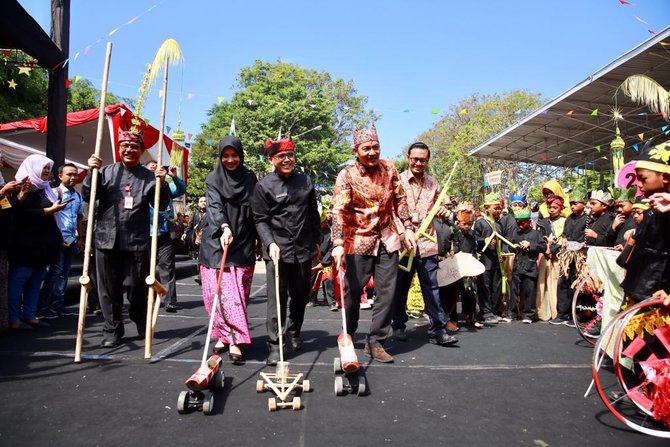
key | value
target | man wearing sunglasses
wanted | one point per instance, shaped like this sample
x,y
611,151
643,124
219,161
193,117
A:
x,y
289,225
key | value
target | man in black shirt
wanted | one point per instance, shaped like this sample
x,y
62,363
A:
x,y
489,283
288,223
121,237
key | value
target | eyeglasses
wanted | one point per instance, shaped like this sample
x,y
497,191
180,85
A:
x,y
418,160
285,156
133,146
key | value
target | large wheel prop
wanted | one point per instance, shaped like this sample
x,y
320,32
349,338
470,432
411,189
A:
x,y
587,307
636,389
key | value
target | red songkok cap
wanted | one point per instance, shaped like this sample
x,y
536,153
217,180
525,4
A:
x,y
557,199
135,136
272,147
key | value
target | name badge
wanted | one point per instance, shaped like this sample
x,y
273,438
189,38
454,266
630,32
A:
x,y
4,203
128,202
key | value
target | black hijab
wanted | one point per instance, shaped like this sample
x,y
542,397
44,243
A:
x,y
233,186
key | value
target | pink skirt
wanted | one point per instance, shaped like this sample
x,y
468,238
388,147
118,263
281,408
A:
x,y
230,322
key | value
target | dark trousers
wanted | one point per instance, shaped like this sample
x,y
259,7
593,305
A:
x,y
326,287
449,300
427,271
118,273
566,293
523,285
489,286
165,269
384,267
293,281
467,292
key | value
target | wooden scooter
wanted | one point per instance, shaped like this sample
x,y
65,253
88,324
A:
x,y
282,382
346,365
209,376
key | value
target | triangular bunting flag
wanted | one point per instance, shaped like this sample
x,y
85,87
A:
x,y
597,148
641,136
595,112
220,99
636,148
463,112
570,113
168,129
190,136
232,131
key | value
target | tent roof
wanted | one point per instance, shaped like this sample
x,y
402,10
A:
x,y
551,135
22,138
18,30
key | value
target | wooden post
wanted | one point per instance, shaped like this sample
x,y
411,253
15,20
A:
x,y
84,279
154,226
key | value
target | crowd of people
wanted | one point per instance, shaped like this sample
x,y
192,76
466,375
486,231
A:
x,y
339,245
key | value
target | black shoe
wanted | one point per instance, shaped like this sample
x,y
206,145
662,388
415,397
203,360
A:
x,y
334,308
97,312
557,321
112,343
595,330
236,358
36,324
219,349
171,308
273,355
399,334
443,340
312,304
295,343
198,280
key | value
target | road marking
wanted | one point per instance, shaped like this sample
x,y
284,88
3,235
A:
x,y
328,365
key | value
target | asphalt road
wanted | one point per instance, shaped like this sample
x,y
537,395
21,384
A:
x,y
514,384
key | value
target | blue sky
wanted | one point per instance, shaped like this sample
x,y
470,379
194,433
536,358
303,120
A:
x,y
417,55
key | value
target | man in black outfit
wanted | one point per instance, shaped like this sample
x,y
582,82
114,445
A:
x,y
288,223
121,238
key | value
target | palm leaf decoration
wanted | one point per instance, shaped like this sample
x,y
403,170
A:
x,y
642,89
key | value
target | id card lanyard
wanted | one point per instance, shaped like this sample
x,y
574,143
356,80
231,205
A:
x,y
127,199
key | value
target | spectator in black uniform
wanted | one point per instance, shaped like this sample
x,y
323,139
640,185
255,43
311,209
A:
x,y
623,221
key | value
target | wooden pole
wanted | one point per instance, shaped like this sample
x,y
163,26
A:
x,y
151,279
84,279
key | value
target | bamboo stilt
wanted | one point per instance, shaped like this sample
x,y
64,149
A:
x,y
84,279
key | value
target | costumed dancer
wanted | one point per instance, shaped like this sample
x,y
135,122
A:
x,y
529,244
623,221
599,233
573,231
367,197
229,222
489,283
509,228
551,229
288,223
121,240
552,189
648,265
422,191
465,241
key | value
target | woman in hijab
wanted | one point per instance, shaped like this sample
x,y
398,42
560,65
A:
x,y
36,239
229,221
553,189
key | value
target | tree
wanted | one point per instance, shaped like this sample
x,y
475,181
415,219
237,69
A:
x,y
284,98
471,122
29,98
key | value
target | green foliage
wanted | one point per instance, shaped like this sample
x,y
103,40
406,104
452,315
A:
x,y
274,97
29,99
454,135
83,95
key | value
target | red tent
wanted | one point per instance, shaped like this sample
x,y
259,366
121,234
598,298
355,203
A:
x,y
22,138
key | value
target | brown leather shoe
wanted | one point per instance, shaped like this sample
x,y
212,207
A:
x,y
378,353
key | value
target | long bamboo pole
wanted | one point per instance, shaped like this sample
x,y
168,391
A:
x,y
151,279
84,279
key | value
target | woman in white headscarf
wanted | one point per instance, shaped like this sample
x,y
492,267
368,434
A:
x,y
35,242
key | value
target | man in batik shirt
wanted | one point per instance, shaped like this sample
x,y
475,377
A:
x,y
365,236
422,191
